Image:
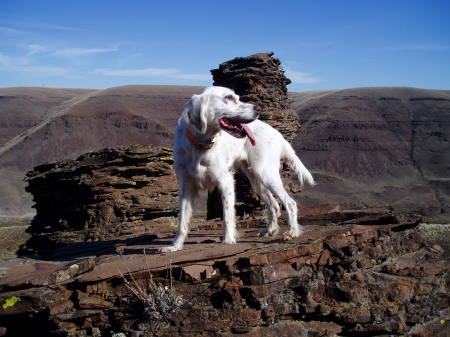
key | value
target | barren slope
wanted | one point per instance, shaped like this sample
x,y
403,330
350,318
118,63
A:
x,y
376,146
89,121
22,108
365,146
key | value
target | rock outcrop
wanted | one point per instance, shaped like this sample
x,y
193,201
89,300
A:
x,y
354,279
101,195
260,79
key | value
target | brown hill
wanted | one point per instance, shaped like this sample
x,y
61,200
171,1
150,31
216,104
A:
x,y
366,146
23,108
376,146
79,122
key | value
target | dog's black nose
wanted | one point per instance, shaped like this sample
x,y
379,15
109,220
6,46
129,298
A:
x,y
257,108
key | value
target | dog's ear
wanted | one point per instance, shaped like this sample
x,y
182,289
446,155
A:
x,y
196,111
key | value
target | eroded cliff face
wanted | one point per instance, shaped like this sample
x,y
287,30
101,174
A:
x,y
100,196
377,146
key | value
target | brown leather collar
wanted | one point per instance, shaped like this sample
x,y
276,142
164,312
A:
x,y
196,143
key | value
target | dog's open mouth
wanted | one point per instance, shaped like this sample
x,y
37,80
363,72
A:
x,y
237,129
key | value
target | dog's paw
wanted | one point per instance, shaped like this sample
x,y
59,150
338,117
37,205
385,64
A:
x,y
292,233
169,249
268,232
229,241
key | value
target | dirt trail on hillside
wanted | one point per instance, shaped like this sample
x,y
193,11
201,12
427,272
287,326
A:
x,y
56,112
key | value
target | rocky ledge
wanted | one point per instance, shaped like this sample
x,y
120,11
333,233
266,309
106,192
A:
x,y
369,275
101,195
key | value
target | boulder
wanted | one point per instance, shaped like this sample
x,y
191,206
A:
x,y
101,195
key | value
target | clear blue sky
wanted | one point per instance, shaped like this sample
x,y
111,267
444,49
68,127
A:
x,y
322,44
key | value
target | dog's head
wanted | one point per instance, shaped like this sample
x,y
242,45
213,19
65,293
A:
x,y
219,108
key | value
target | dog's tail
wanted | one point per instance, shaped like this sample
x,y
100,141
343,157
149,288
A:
x,y
296,165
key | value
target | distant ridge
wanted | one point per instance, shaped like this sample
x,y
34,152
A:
x,y
365,146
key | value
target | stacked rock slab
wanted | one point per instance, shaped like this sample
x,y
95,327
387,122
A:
x,y
257,79
260,79
100,196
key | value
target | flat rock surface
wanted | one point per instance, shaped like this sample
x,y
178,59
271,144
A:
x,y
127,255
366,276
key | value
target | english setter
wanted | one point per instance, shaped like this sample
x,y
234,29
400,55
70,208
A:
x,y
217,134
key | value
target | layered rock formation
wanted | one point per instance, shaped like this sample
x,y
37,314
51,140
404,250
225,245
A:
x,y
101,195
260,79
353,279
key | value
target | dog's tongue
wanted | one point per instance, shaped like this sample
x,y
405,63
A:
x,y
249,134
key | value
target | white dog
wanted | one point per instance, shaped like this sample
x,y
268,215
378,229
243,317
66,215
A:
x,y
218,134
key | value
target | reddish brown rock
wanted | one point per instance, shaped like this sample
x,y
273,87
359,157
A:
x,y
328,282
369,275
258,79
100,196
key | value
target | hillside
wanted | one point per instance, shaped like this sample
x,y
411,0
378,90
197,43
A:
x,y
365,146
376,146
80,121
23,108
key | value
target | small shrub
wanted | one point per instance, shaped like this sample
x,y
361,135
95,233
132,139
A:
x,y
158,300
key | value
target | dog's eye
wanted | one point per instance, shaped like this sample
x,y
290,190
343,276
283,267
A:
x,y
230,98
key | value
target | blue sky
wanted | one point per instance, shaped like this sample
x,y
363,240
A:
x,y
322,44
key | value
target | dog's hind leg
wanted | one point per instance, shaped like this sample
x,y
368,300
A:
x,y
187,198
274,183
274,213
268,199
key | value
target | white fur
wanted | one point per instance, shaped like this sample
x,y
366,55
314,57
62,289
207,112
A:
x,y
199,169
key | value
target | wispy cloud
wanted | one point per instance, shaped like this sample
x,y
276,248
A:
x,y
300,77
153,72
417,47
9,62
82,51
23,64
36,49
9,30
148,72
54,27
46,70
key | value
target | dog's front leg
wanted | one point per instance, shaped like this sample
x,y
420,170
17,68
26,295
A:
x,y
226,188
186,201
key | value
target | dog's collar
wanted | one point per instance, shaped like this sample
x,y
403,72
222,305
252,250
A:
x,y
196,143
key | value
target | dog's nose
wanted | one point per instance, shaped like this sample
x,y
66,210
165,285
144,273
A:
x,y
257,108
